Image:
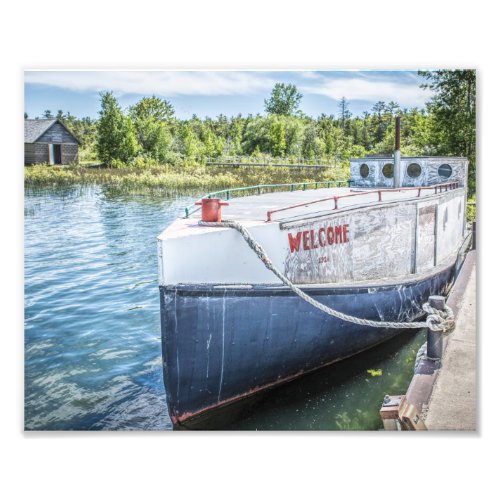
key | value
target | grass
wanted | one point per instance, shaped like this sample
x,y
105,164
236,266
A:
x,y
169,178
471,209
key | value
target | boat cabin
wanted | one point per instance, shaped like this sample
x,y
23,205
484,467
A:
x,y
378,171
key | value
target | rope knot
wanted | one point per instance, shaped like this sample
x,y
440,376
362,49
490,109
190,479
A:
x,y
439,320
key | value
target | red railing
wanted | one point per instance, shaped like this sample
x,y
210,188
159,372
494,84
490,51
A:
x,y
437,188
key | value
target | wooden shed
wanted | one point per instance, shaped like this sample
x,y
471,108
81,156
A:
x,y
49,141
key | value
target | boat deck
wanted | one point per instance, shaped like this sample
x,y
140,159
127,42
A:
x,y
308,204
256,208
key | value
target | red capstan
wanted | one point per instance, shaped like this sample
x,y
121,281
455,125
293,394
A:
x,y
211,209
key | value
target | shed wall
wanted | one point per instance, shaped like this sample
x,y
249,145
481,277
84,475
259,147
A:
x,y
29,154
36,153
69,153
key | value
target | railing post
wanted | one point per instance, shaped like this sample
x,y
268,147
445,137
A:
x,y
419,189
335,199
435,339
379,195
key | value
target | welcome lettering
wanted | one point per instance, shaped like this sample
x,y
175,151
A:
x,y
310,240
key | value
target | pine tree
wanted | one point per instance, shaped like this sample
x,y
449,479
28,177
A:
x,y
115,132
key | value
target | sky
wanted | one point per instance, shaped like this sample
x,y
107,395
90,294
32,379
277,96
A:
x,y
210,93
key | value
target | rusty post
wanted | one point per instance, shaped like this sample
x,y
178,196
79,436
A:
x,y
379,195
435,339
336,202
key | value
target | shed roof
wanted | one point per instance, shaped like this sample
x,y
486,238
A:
x,y
34,129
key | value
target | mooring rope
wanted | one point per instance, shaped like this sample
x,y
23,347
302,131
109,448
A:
x,y
437,320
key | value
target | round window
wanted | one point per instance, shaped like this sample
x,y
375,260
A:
x,y
414,170
445,171
388,170
364,170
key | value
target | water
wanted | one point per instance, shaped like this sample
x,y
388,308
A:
x,y
92,328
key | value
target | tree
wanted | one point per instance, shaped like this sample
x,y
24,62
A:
x,y
345,114
116,138
284,100
151,117
277,138
159,110
47,114
453,111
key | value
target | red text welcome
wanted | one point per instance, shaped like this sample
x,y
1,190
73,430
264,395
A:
x,y
325,236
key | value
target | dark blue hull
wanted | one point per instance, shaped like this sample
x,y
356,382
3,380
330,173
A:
x,y
221,344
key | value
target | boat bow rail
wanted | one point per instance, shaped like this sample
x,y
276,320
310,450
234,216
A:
x,y
263,188
437,188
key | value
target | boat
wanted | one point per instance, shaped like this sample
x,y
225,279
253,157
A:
x,y
375,247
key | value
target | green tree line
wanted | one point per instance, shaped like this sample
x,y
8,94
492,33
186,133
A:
x,y
149,132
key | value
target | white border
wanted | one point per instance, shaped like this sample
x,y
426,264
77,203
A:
x,y
264,35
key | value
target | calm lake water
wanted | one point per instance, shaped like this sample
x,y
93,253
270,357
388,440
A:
x,y
92,328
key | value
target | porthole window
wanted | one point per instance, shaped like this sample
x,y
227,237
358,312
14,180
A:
x,y
364,171
414,170
445,171
388,170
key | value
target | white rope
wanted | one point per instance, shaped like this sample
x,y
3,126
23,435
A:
x,y
437,320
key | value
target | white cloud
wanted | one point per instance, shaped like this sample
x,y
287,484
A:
x,y
165,83
370,89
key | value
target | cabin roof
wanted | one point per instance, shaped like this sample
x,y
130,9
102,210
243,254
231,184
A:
x,y
34,129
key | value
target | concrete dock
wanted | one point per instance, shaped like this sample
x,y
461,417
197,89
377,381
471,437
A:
x,y
452,405
442,393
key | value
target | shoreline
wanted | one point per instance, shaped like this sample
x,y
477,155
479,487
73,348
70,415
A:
x,y
169,178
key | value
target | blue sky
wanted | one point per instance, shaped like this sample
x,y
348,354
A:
x,y
210,93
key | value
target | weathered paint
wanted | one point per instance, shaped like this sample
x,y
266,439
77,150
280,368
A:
x,y
224,343
366,244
